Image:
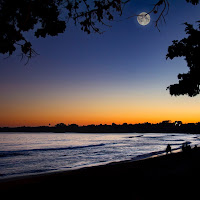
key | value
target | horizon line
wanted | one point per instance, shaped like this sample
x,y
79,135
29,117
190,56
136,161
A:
x,y
143,123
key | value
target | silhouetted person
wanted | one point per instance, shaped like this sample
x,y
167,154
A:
x,y
189,148
168,149
183,147
186,148
195,147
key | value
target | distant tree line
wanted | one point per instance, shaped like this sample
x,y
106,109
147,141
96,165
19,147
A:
x,y
163,127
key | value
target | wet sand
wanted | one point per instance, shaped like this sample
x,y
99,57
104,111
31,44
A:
x,y
173,176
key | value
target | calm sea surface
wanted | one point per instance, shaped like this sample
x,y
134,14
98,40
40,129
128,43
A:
x,y
33,153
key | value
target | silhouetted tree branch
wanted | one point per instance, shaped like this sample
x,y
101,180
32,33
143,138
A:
x,y
161,8
50,17
189,48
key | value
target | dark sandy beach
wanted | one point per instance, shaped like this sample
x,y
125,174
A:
x,y
173,176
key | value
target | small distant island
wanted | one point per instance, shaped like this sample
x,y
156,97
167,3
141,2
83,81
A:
x,y
162,127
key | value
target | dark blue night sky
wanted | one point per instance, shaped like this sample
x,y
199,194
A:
x,y
118,76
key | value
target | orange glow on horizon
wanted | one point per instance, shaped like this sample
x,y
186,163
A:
x,y
100,107
86,121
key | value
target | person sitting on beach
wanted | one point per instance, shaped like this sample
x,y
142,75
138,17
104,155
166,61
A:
x,y
168,149
186,148
195,147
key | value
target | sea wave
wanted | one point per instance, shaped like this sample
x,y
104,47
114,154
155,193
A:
x,y
174,140
28,151
11,153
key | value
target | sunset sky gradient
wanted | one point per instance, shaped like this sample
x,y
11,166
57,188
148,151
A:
x,y
120,76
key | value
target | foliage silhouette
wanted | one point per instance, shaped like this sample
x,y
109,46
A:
x,y
162,127
190,49
50,17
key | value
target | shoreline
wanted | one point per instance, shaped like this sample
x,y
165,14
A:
x,y
33,175
133,159
129,177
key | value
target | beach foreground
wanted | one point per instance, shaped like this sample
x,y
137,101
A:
x,y
164,177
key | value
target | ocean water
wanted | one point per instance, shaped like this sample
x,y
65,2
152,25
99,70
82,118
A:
x,y
33,153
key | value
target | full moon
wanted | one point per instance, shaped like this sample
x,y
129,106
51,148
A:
x,y
143,18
